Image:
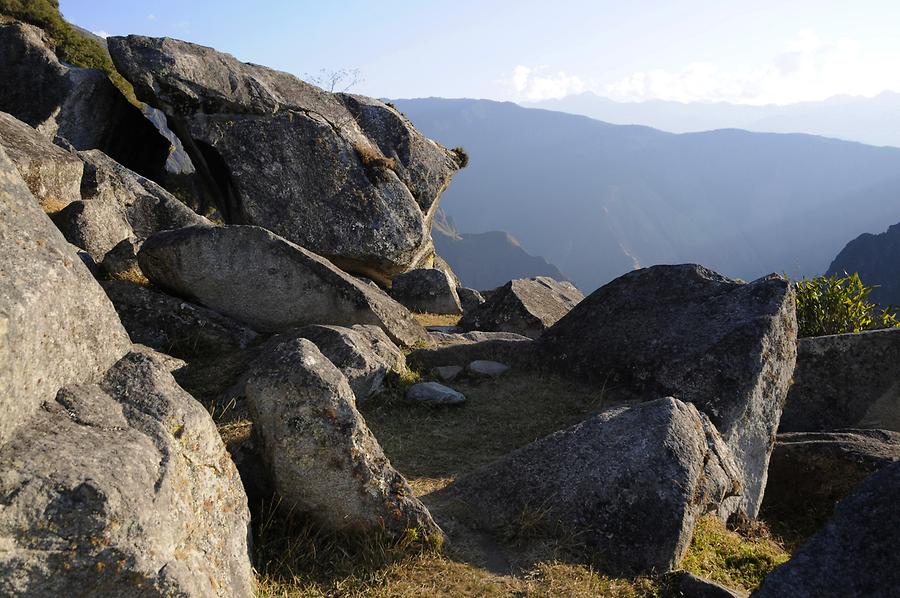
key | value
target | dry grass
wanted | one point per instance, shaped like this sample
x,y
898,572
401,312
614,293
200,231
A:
x,y
437,319
132,275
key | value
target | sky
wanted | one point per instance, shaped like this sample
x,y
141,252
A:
x,y
749,52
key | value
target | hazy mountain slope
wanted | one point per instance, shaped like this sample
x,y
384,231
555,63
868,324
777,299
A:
x,y
874,120
487,260
877,260
597,199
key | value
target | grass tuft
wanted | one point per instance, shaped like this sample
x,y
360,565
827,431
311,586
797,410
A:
x,y
437,319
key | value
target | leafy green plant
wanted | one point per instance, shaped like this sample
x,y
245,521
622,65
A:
x,y
837,305
461,156
72,46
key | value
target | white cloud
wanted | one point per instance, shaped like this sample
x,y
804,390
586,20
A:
x,y
151,17
808,69
534,84
102,34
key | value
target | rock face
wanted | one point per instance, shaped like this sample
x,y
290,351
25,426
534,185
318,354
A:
x,y
524,306
426,290
56,325
320,454
364,354
123,488
462,349
119,205
80,105
877,260
629,483
469,299
809,472
175,326
727,347
855,554
845,380
52,174
345,176
255,276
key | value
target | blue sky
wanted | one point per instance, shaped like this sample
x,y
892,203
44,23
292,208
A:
x,y
687,50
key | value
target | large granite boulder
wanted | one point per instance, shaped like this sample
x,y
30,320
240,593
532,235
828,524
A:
x,y
52,174
345,176
469,299
845,380
462,349
855,554
56,325
364,354
122,488
321,456
426,290
259,278
627,483
725,346
119,204
526,306
175,326
809,472
78,104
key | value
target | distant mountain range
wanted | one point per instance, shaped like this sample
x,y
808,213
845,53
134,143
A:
x,y
598,200
876,257
487,260
875,121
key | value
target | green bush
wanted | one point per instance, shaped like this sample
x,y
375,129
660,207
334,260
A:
x,y
461,157
838,304
72,46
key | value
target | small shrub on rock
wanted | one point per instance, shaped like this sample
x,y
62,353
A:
x,y
837,305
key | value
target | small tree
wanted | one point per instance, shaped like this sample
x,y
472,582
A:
x,y
837,305
339,81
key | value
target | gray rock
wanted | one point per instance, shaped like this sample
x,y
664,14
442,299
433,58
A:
x,y
255,276
432,393
483,368
855,554
122,488
345,176
364,354
845,381
166,362
322,458
442,265
687,585
469,299
426,290
94,226
56,325
462,349
448,373
809,472
629,484
728,347
147,207
526,306
175,326
120,262
78,104
52,174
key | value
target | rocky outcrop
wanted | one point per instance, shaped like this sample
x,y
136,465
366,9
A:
x,y
524,306
364,354
627,483
80,105
52,174
725,346
255,276
321,456
345,176
855,554
426,290
876,258
845,380
809,472
175,326
122,488
56,325
469,299
119,205
462,349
